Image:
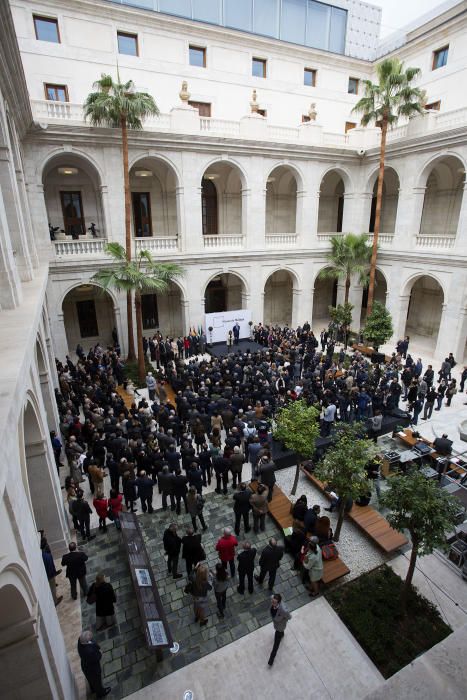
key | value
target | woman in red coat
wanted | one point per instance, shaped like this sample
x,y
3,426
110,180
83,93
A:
x,y
115,506
101,506
226,548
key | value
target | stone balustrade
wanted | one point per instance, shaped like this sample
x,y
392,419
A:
x,y
178,121
224,241
441,241
85,246
281,240
156,243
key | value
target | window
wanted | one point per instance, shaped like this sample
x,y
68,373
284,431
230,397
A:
x,y
353,86
258,67
87,318
204,108
142,214
309,77
149,311
209,207
197,56
440,58
306,118
57,93
434,105
73,216
349,126
127,43
262,112
46,29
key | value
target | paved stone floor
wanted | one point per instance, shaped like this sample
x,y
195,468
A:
x,y
127,664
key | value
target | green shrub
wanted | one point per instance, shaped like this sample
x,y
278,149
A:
x,y
131,373
370,607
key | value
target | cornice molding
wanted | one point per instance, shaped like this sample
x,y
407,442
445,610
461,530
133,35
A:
x,y
12,79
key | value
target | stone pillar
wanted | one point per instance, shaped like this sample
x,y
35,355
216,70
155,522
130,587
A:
x,y
255,299
254,217
418,199
461,235
362,212
296,307
14,216
191,220
398,306
45,494
355,298
10,284
40,222
181,228
106,230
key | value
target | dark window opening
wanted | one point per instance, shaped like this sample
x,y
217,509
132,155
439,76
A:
x,y
340,213
73,215
127,43
149,311
142,214
87,318
209,207
56,93
204,108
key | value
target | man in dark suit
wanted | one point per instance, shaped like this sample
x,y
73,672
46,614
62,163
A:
x,y
236,332
246,567
90,655
192,550
145,486
443,445
242,508
269,562
75,563
266,473
180,489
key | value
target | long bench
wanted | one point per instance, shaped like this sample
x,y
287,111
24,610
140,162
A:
x,y
279,510
369,521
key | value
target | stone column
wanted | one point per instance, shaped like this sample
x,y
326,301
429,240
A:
x,y
40,222
181,228
10,284
45,494
461,235
398,306
355,298
14,215
106,229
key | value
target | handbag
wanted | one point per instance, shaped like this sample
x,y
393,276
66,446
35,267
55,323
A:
x,y
329,551
91,596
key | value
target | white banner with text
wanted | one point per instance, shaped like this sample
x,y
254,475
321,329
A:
x,y
224,321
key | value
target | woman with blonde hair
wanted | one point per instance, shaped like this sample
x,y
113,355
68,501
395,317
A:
x,y
200,585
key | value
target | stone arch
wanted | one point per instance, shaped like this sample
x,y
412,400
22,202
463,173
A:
x,y
72,184
333,186
45,386
233,162
222,292
391,186
426,298
155,189
89,314
281,297
165,311
62,151
40,477
223,184
444,182
282,186
324,296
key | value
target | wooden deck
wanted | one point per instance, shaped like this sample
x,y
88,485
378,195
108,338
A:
x,y
369,521
279,510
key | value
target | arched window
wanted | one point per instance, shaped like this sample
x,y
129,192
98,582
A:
x,y
209,207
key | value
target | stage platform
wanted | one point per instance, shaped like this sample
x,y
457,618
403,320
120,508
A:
x,y
244,345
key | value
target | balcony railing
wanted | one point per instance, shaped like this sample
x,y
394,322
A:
x,y
85,246
281,240
157,244
383,238
435,241
224,241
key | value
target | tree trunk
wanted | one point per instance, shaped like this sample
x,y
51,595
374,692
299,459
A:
x,y
379,199
139,339
409,577
126,187
347,289
297,474
340,520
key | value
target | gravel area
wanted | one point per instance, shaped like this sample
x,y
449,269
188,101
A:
x,y
356,550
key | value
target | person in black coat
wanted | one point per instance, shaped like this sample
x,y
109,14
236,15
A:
x,y
266,473
81,510
269,562
90,655
145,486
75,563
192,550
172,545
166,487
205,463
246,567
242,507
195,477
180,490
221,468
103,594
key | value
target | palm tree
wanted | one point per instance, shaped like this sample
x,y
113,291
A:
x,y
137,276
349,255
116,104
393,96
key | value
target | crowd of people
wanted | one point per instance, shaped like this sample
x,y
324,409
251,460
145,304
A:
x,y
218,422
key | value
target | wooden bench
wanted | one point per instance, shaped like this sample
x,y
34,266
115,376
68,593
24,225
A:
x,y
153,620
369,521
279,510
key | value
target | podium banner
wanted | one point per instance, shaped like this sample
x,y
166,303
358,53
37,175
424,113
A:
x,y
224,321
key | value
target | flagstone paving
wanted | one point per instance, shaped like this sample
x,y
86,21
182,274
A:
x,y
127,663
